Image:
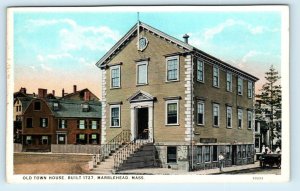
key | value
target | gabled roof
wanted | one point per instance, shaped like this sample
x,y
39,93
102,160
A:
x,y
140,96
79,92
186,47
25,101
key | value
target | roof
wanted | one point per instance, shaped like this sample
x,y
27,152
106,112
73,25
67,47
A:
x,y
78,92
25,101
185,46
73,109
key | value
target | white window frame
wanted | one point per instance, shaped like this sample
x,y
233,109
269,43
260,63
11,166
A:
x,y
250,89
240,111
92,121
111,81
213,114
218,76
229,111
249,119
110,109
229,74
166,112
200,102
137,72
242,81
178,63
84,125
202,62
62,125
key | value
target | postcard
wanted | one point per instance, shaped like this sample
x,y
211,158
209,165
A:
x,y
142,94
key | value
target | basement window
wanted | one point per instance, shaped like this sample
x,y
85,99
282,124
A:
x,y
171,154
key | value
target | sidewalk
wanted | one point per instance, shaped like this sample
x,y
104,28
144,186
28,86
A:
x,y
167,171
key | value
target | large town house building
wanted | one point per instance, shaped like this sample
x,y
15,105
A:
x,y
181,99
189,104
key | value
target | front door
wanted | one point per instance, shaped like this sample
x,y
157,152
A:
x,y
234,155
142,123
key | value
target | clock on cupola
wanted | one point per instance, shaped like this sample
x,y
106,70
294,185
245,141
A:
x,y
143,42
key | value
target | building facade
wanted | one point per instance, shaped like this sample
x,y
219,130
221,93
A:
x,y
190,105
45,121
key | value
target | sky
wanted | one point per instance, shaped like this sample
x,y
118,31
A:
x,y
56,50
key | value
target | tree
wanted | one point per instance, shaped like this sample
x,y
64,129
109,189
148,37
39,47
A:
x,y
270,97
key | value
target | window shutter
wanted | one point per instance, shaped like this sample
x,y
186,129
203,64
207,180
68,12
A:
x,y
41,122
78,121
66,123
46,122
59,123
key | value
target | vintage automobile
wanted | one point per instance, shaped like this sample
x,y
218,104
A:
x,y
270,160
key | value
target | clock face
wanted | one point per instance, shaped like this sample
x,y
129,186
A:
x,y
143,42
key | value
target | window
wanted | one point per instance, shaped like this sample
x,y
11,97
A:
x,y
85,107
215,153
249,151
81,139
44,122
44,140
240,86
61,139
199,154
249,119
171,154
94,124
29,123
200,113
172,112
239,152
81,124
115,116
227,151
257,142
28,140
240,118
250,89
244,151
229,117
256,124
62,124
215,76
229,82
216,114
206,153
115,76
173,68
94,139
55,106
37,105
200,71
142,73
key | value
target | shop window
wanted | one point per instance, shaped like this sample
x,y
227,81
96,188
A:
x,y
206,153
199,154
215,153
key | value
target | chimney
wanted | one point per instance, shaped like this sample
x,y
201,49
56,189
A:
x,y
87,96
74,88
186,38
23,90
42,93
63,93
53,92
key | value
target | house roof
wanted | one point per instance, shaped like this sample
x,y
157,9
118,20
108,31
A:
x,y
78,92
25,101
73,109
185,46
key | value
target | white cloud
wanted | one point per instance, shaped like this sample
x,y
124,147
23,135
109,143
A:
x,y
45,67
249,55
40,58
75,37
59,56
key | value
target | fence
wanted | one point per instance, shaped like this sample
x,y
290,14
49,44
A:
x,y
18,147
87,149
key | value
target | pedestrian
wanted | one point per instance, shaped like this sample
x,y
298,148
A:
x,y
221,161
268,150
263,149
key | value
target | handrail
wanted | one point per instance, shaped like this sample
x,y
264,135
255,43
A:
x,y
115,143
122,154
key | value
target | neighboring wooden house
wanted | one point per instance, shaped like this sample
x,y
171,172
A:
x,y
84,94
189,104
